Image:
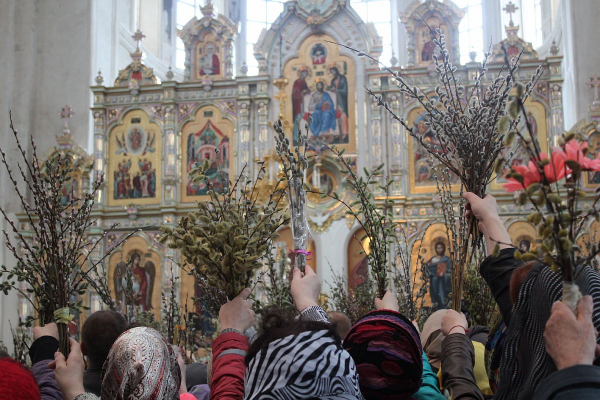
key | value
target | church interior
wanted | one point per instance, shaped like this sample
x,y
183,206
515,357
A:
x,y
141,91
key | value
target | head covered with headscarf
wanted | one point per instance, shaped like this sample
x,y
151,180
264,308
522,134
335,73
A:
x,y
308,365
141,365
525,362
388,354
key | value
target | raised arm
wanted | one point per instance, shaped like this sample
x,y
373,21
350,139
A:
x,y
230,348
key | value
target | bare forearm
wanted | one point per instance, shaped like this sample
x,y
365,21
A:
x,y
495,233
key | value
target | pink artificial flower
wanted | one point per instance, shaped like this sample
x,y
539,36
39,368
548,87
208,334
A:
x,y
556,169
530,174
574,151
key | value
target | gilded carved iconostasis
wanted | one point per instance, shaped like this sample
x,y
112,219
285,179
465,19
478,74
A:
x,y
148,135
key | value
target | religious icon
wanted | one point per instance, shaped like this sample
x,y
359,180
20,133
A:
x,y
520,155
524,245
593,177
339,86
428,47
425,46
70,191
318,54
142,281
209,62
358,259
423,170
439,268
299,90
321,108
323,91
208,143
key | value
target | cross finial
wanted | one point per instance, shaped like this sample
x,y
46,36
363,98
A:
x,y
595,85
510,8
138,36
66,113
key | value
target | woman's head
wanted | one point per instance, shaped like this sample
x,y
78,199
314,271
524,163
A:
x,y
387,351
298,359
16,381
143,364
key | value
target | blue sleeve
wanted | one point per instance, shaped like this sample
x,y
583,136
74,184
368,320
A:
x,y
430,387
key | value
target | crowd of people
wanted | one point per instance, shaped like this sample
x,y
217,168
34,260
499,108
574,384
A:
x,y
541,350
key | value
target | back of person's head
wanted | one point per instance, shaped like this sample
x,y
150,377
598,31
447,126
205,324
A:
x,y
298,359
4,354
16,381
387,351
278,323
141,365
99,332
341,322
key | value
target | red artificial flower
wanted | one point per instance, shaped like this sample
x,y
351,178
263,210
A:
x,y
574,151
530,175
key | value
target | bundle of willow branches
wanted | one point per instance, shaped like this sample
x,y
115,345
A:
x,y
230,234
410,290
55,261
377,221
353,302
294,163
465,123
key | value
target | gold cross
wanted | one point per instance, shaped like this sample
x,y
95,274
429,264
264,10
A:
x,y
510,8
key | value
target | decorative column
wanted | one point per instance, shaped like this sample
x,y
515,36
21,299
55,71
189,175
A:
x,y
171,159
263,129
244,129
376,134
556,100
398,143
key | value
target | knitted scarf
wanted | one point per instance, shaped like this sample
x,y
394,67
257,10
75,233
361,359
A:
x,y
525,362
305,366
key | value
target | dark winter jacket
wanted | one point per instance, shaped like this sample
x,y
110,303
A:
x,y
41,353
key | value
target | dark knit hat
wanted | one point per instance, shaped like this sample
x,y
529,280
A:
x,y
16,381
387,351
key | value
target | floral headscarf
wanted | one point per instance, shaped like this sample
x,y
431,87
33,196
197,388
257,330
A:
x,y
141,365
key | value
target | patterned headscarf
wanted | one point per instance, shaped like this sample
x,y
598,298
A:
x,y
525,362
309,365
388,354
141,365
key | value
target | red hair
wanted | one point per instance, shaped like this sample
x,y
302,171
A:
x,y
517,278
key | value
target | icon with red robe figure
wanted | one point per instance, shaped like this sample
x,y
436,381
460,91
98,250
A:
x,y
299,90
209,63
141,282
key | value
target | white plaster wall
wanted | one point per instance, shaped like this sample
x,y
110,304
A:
x,y
45,62
581,61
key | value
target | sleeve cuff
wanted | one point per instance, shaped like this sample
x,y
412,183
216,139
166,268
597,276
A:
x,y
314,313
43,349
